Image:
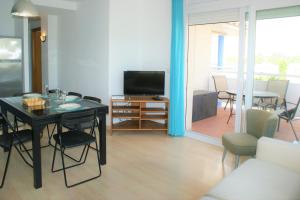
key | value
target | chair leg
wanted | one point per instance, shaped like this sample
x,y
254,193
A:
x,y
294,131
63,164
68,156
237,161
80,162
278,127
49,139
50,135
81,182
224,154
226,104
98,156
231,111
54,156
94,134
22,156
6,167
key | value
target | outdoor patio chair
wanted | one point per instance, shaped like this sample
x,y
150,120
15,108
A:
x,y
221,86
279,87
290,115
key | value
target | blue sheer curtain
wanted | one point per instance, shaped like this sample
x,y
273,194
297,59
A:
x,y
177,72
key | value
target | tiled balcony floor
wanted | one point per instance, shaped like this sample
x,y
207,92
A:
x,y
216,126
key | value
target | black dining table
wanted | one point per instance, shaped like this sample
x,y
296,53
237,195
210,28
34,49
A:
x,y
50,114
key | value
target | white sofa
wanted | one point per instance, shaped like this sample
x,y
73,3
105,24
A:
x,y
273,175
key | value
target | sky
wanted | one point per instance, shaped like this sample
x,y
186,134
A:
x,y
278,36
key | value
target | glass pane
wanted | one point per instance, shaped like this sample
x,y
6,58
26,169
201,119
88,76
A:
x,y
212,68
277,64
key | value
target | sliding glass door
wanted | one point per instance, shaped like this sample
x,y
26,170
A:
x,y
213,62
276,71
269,63
250,48
246,66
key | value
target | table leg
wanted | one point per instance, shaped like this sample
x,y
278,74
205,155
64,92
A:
x,y
4,126
102,137
231,108
276,103
36,151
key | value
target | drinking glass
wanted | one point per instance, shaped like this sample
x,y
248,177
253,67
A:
x,y
57,92
63,95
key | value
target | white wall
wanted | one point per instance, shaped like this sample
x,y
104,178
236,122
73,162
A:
x,y
83,49
52,38
139,39
7,22
45,56
199,65
50,49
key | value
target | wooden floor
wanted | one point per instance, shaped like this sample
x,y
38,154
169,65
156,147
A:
x,y
140,166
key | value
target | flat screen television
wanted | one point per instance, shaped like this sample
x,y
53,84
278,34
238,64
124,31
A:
x,y
150,83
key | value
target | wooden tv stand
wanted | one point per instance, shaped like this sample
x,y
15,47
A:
x,y
139,113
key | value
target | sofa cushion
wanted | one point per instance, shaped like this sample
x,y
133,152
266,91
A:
x,y
240,143
259,180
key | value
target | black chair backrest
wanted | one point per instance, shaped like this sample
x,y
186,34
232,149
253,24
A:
x,y
296,110
3,119
75,94
92,99
53,91
79,118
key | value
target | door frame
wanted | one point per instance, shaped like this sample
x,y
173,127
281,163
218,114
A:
x,y
246,14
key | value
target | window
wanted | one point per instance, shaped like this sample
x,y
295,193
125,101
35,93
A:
x,y
224,46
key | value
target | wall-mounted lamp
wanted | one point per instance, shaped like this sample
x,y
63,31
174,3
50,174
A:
x,y
43,36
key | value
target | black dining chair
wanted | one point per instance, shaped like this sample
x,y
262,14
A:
x,y
94,99
85,126
90,98
14,139
75,94
53,91
75,137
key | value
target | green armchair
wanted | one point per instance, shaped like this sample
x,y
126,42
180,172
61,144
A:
x,y
258,123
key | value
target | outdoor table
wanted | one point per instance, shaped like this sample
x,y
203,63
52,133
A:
x,y
256,94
